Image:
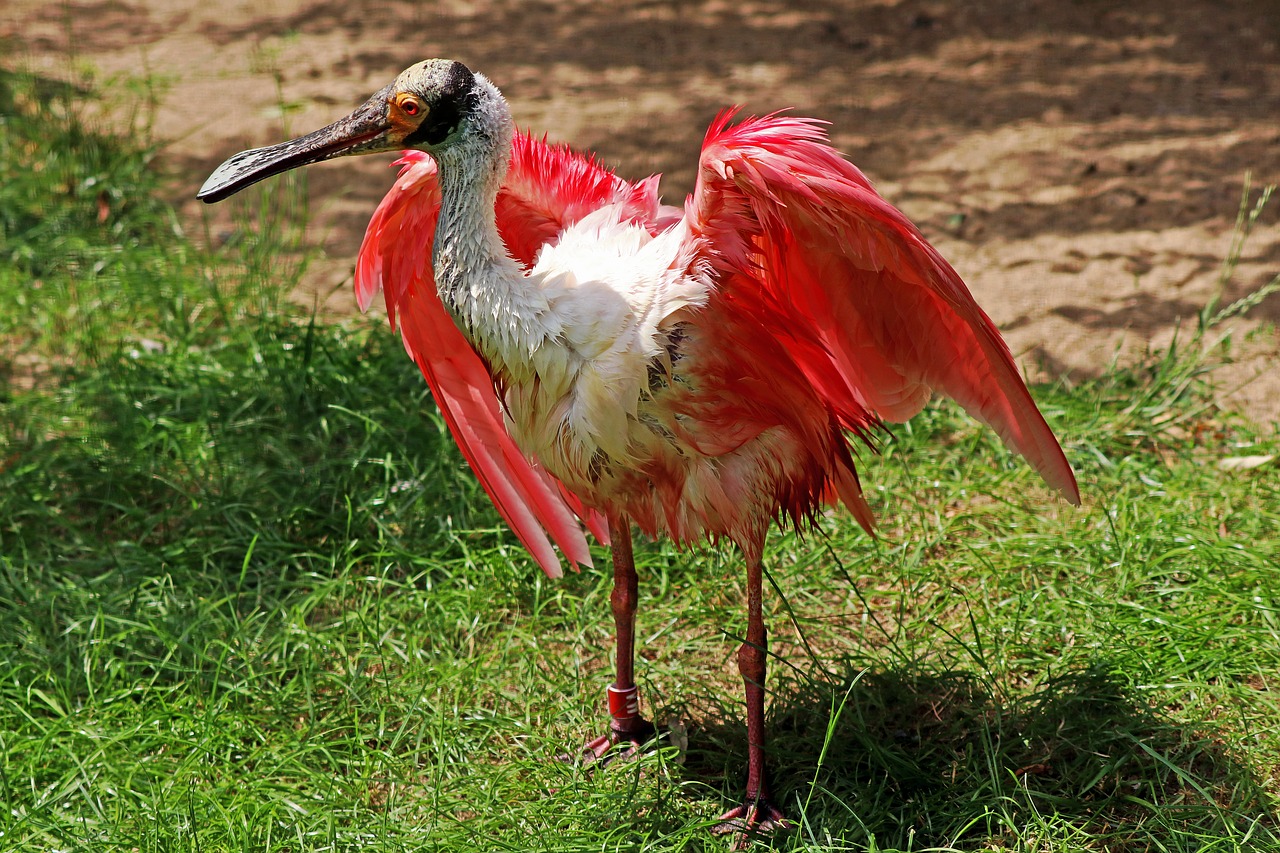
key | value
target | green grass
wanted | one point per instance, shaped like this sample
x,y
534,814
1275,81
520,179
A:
x,y
250,598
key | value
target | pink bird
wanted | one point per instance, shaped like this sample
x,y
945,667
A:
x,y
606,361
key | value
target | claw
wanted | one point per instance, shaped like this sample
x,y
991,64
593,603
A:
x,y
635,732
754,817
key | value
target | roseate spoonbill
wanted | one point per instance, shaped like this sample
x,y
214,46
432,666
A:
x,y
607,361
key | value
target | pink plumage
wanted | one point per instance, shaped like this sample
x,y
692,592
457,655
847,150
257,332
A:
x,y
816,276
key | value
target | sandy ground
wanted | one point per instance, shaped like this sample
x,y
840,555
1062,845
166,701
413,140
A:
x,y
1080,162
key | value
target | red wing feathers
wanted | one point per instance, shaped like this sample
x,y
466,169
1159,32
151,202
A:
x,y
782,208
549,187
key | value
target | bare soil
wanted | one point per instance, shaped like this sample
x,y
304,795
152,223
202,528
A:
x,y
1080,162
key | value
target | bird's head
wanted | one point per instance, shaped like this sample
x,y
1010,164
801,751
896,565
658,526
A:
x,y
430,106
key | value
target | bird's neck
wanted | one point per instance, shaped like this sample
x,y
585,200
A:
x,y
487,293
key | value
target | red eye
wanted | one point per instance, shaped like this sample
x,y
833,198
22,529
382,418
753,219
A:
x,y
410,107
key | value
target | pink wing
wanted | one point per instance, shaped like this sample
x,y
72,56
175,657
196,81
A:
x,y
547,189
550,187
784,211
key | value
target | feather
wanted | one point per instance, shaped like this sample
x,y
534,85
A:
x,y
788,214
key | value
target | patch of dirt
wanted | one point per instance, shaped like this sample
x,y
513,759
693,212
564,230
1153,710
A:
x,y
1081,163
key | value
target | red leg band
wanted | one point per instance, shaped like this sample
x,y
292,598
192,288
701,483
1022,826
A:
x,y
624,703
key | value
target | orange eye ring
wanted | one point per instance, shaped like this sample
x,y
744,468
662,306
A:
x,y
409,105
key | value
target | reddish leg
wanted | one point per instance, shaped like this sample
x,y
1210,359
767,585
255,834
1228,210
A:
x,y
757,812
626,725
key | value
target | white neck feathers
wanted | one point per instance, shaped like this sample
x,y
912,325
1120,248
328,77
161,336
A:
x,y
478,282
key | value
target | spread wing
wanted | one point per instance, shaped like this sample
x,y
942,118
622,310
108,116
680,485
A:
x,y
547,188
782,210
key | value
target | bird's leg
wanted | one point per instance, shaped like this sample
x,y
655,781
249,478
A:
x,y
757,812
626,725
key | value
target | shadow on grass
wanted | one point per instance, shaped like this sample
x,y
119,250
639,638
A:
x,y
290,449
178,478
907,759
294,435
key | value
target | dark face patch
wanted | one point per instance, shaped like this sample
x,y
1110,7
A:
x,y
449,103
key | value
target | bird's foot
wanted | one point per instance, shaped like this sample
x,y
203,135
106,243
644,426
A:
x,y
756,816
626,727
627,730
631,733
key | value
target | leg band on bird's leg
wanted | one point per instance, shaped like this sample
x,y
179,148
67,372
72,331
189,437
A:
x,y
625,724
624,702
624,709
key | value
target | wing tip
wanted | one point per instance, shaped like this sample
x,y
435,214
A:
x,y
1065,482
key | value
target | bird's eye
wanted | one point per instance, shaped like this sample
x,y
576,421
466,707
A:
x,y
410,106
